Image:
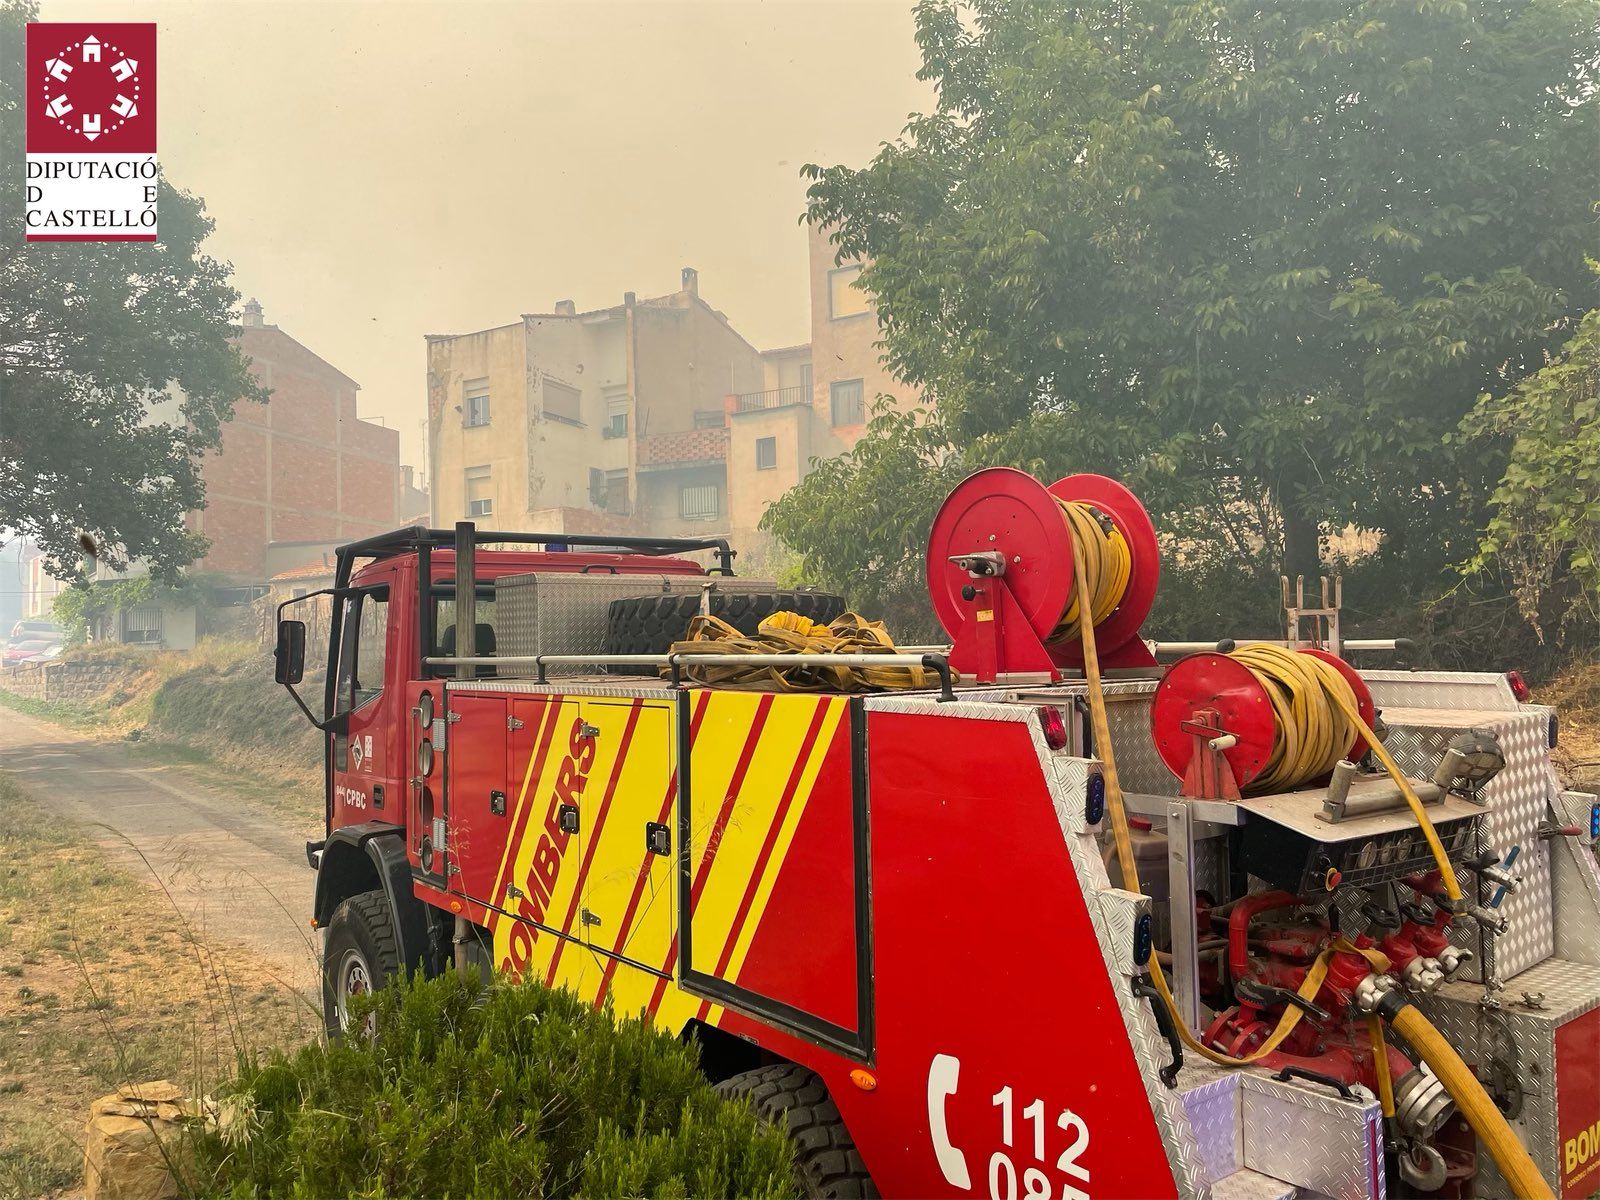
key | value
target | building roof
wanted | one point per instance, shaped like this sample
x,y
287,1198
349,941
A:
x,y
314,570
244,331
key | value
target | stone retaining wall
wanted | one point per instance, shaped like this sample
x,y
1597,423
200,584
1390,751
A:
x,y
60,680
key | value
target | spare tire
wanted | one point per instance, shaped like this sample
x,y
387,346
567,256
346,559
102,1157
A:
x,y
650,624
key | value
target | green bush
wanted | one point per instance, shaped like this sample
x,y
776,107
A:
x,y
500,1090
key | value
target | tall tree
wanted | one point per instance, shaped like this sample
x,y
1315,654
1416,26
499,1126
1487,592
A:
x,y
1231,249
1545,528
116,372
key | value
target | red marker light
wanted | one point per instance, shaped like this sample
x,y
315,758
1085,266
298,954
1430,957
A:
x,y
1519,686
1054,726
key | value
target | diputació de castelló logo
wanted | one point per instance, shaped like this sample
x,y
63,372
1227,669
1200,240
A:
x,y
91,132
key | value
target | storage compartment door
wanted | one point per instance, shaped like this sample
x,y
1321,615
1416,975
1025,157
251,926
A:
x,y
623,923
475,794
774,814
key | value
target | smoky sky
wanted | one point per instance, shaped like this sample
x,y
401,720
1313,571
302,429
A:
x,y
379,171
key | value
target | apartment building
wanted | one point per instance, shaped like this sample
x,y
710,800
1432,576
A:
x,y
610,420
650,416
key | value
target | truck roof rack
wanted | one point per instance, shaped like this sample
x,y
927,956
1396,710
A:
x,y
419,537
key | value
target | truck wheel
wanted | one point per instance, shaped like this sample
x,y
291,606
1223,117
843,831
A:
x,y
650,624
825,1157
359,955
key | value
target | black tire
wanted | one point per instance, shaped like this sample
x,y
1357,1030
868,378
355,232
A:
x,y
360,953
825,1156
650,624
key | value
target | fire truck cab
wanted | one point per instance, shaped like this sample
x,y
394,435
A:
x,y
894,920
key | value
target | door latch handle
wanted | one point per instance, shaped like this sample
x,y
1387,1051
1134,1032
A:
x,y
1144,986
657,838
567,818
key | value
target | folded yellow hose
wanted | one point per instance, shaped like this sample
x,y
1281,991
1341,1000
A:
x,y
1475,1105
784,633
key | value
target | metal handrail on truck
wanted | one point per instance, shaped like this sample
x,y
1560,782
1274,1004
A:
x,y
675,663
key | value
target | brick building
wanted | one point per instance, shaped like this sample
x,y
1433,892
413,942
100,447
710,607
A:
x,y
301,468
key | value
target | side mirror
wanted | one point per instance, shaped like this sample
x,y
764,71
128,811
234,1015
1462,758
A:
x,y
289,659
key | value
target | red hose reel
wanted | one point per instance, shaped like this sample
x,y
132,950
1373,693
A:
x,y
1000,573
1214,725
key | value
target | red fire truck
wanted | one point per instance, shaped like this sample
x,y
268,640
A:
x,y
1041,930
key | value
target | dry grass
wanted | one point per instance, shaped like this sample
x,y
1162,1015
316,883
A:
x,y
1576,695
103,981
216,705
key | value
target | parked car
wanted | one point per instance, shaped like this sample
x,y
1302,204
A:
x,y
32,649
37,629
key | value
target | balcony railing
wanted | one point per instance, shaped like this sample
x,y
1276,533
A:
x,y
776,398
692,446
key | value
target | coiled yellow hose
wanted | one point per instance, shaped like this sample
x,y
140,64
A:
x,y
1486,1120
1110,565
1313,732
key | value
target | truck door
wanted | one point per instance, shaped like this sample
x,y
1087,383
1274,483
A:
x,y
364,779
627,913
476,805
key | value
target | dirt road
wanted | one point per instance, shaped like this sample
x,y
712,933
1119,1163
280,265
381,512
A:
x,y
234,866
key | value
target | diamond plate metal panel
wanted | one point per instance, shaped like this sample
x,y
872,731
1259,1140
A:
x,y
1481,690
1312,1138
566,613
1515,1040
1138,765
1515,805
1211,1100
1252,1185
1575,873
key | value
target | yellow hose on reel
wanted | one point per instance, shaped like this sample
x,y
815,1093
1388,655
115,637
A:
x,y
1313,731
1474,1102
1110,565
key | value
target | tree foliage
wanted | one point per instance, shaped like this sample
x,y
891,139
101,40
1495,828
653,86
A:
x,y
116,372
1545,529
1256,259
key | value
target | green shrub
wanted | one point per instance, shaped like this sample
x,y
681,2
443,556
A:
x,y
502,1090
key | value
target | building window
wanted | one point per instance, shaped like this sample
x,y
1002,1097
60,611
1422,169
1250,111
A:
x,y
142,625
699,502
475,408
617,492
617,424
766,453
849,402
805,383
562,403
608,490
710,418
480,492
845,299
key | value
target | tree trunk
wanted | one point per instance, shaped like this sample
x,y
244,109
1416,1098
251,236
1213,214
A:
x,y
1301,537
